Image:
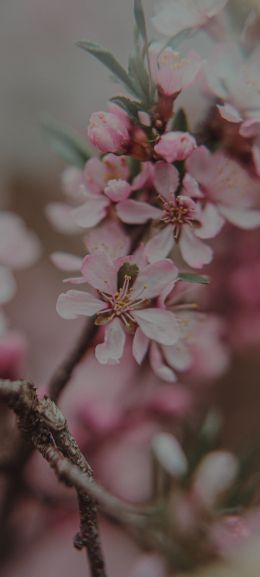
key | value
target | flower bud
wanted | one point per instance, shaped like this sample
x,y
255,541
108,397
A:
x,y
108,131
174,146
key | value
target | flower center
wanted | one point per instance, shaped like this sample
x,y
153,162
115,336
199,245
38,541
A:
x,y
121,304
177,215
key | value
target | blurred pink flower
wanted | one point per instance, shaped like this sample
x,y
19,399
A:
x,y
174,16
19,248
224,189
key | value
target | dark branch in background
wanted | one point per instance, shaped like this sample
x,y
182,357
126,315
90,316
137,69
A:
x,y
24,451
43,423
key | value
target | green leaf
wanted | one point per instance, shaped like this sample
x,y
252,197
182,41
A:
x,y
193,278
67,145
140,78
129,106
139,18
106,58
180,121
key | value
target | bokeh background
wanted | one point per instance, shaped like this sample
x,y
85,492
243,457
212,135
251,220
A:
x,y
42,71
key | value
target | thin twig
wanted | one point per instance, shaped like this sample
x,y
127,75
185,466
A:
x,y
45,425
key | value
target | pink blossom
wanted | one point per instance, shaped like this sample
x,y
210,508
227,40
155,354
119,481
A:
x,y
91,192
179,219
227,192
174,146
174,16
19,248
108,132
172,73
123,300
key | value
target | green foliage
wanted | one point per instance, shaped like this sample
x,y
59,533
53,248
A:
x,y
65,143
194,278
180,121
108,60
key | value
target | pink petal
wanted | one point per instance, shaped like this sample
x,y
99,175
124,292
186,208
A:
x,y
117,189
135,212
178,356
158,325
92,212
100,273
211,222
159,367
145,178
160,245
19,247
7,285
191,187
166,179
229,113
195,252
74,303
245,219
65,261
154,278
140,346
111,350
60,216
108,238
95,175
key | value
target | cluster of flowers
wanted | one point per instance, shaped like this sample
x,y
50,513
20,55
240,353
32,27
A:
x,y
157,192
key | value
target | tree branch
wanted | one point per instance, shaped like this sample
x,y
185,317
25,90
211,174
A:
x,y
44,424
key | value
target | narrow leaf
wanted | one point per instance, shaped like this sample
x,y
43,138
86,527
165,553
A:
x,y
180,121
132,108
106,58
193,278
65,143
139,18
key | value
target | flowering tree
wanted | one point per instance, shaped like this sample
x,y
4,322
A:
x,y
149,208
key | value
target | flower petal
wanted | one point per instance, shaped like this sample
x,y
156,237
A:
x,y
229,113
246,219
211,222
111,350
74,303
159,367
135,212
166,179
140,346
100,273
195,252
109,238
91,213
160,245
60,216
158,325
66,261
178,356
154,278
7,285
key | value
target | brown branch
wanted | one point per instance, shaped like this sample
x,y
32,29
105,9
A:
x,y
44,424
63,374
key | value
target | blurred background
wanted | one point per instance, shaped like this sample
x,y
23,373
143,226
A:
x,y
42,71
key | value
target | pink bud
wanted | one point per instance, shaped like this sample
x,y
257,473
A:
x,y
175,146
108,131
